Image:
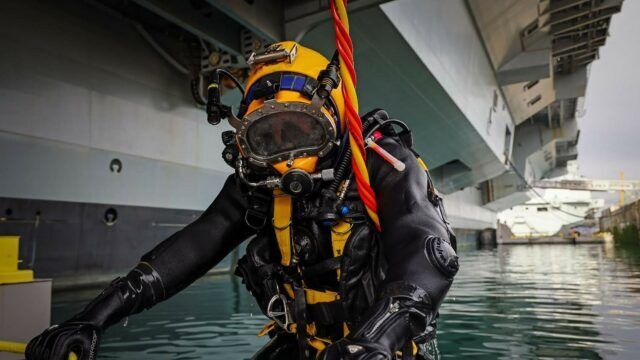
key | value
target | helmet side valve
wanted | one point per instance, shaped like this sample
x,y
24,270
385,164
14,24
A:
x,y
328,79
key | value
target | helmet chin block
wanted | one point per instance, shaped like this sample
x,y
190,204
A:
x,y
296,182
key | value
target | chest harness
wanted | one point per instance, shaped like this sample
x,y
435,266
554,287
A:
x,y
298,307
297,300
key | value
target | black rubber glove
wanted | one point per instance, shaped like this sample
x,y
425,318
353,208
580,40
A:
x,y
58,341
390,327
170,267
140,289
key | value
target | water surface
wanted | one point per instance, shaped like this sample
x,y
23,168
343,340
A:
x,y
544,301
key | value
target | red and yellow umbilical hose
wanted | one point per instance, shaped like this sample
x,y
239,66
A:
x,y
354,124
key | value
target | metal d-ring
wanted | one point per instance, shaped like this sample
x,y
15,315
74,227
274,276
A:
x,y
255,227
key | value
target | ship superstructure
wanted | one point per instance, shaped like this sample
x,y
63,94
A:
x,y
104,145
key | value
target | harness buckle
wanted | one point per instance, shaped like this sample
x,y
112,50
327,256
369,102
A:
x,y
278,311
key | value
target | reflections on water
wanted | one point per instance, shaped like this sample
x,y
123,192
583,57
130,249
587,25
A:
x,y
213,319
544,301
555,301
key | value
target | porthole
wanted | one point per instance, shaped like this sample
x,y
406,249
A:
x,y
110,216
115,166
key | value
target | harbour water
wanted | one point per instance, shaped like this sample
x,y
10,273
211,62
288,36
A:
x,y
526,302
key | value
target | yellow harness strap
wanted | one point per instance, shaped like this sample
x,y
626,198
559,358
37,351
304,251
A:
x,y
267,328
314,296
319,343
339,235
340,232
282,224
422,164
317,296
414,350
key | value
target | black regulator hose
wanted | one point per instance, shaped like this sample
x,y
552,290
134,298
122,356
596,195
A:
x,y
343,167
343,170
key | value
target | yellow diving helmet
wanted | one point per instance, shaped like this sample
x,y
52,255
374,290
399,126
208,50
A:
x,y
285,121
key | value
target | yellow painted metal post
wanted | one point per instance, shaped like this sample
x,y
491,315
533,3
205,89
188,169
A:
x,y
9,273
622,191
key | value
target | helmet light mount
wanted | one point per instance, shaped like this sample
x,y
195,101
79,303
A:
x,y
216,110
273,53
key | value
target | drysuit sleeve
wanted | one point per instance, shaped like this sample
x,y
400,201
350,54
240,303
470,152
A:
x,y
416,243
162,272
191,252
178,261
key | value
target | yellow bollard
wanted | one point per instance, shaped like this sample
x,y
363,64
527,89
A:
x,y
20,348
9,273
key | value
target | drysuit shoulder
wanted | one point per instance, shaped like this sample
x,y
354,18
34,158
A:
x,y
417,242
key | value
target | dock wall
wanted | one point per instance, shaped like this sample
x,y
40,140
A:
x,y
622,222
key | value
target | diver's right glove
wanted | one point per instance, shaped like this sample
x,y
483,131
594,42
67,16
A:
x,y
139,290
389,328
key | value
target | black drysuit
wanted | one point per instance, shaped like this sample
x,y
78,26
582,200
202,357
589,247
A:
x,y
415,244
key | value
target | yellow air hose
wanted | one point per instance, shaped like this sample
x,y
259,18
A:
x,y
19,348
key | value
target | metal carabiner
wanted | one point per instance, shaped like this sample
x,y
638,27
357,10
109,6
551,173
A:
x,y
276,315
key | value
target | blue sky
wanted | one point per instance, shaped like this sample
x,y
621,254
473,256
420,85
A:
x,y
610,130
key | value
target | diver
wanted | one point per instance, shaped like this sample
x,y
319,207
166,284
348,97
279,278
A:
x,y
333,284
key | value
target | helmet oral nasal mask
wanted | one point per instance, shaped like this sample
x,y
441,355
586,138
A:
x,y
288,117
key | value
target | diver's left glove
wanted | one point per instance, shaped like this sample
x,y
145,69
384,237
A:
x,y
140,289
389,328
58,341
